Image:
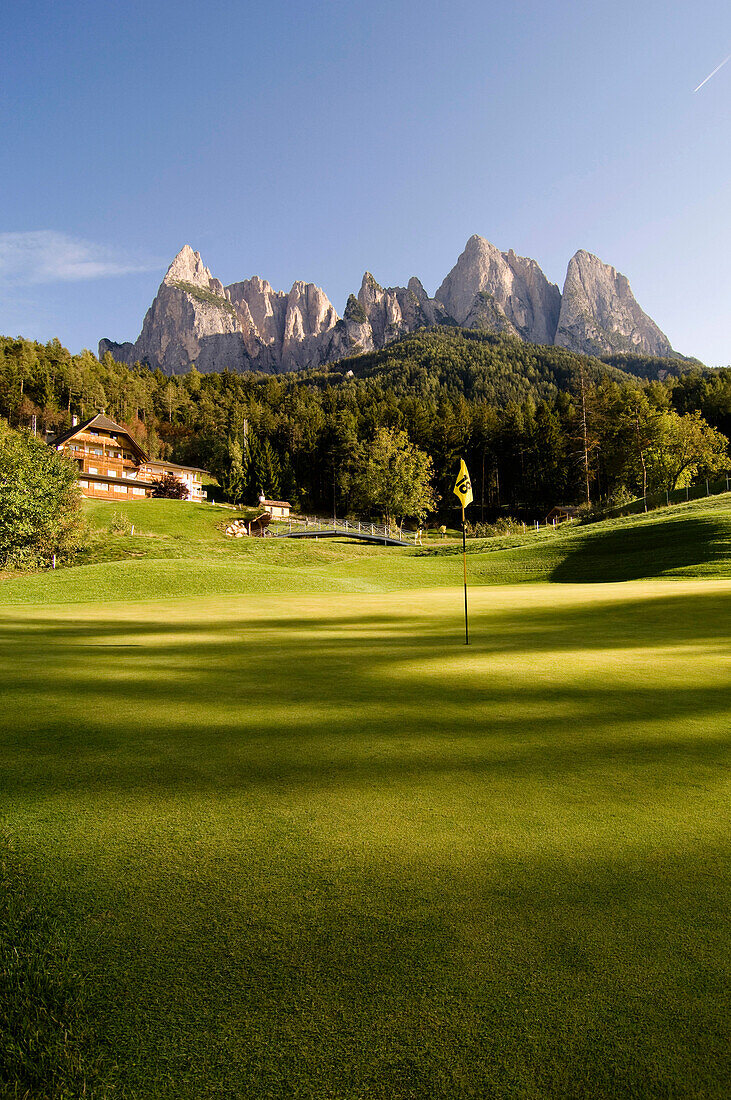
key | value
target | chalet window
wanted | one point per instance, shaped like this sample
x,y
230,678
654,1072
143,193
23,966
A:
x,y
138,492
93,470
112,473
83,484
120,488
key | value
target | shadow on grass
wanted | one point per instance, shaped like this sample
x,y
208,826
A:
x,y
212,704
323,857
637,551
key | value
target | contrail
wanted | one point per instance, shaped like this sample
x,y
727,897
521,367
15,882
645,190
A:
x,y
713,73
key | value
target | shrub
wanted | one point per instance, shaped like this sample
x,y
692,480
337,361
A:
x,y
170,487
505,525
119,525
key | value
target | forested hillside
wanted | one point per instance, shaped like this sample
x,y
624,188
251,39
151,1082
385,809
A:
x,y
537,425
476,365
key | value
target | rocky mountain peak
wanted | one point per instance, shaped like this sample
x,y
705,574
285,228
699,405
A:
x,y
370,289
316,310
387,310
309,317
248,325
599,312
256,285
501,292
188,267
476,243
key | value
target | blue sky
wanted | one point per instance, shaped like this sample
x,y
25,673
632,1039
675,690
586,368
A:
x,y
319,140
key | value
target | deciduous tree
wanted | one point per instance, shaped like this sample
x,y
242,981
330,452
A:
x,y
394,477
39,501
685,447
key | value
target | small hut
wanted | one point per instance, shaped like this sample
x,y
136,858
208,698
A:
x,y
258,526
561,513
277,509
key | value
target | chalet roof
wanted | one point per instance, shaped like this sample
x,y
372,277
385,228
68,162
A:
x,y
84,475
174,465
564,510
277,503
103,423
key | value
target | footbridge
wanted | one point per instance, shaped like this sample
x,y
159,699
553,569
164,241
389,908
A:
x,y
343,529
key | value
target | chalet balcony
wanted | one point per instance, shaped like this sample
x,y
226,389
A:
x,y
97,450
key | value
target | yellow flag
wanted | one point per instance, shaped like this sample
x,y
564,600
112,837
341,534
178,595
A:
x,y
463,485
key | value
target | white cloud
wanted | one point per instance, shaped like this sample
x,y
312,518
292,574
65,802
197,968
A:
x,y
45,256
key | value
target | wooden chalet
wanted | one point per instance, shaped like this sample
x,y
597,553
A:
x,y
112,464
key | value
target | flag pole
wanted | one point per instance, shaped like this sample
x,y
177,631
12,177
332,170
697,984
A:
x,y
464,564
463,491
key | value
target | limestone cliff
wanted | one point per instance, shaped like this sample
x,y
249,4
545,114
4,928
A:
x,y
501,292
599,313
248,325
191,320
395,310
245,326
290,326
351,336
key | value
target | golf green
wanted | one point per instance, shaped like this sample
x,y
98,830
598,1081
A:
x,y
314,846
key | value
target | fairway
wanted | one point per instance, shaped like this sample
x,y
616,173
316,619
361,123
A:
x,y
179,550
313,846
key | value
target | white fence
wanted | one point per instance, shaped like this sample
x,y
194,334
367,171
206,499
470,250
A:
x,y
315,524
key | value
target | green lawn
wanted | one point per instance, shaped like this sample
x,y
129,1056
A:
x,y
179,550
278,842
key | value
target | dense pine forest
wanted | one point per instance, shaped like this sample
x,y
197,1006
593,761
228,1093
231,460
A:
x,y
536,425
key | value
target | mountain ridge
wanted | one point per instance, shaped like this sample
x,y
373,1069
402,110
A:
x,y
248,325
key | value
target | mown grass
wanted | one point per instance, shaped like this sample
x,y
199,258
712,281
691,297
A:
x,y
315,847
46,1048
319,848
179,550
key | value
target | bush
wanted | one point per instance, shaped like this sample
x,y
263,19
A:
x,y
620,496
505,525
40,503
169,487
119,525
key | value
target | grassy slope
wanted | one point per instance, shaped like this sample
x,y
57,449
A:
x,y
316,848
179,550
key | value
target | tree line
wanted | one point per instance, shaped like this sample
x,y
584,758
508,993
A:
x,y
536,425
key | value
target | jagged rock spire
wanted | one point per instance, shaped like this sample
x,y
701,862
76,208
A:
x,y
508,293
600,315
248,325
